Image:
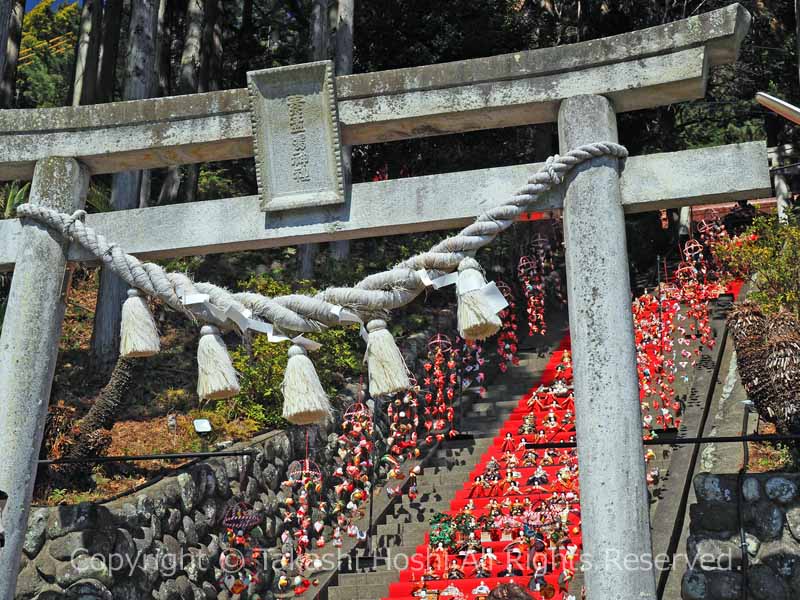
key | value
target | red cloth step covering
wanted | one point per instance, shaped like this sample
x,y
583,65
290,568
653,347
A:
x,y
405,589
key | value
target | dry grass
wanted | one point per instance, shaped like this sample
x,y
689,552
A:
x,y
768,457
165,385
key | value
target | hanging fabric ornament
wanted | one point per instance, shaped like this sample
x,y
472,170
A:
x,y
531,277
507,340
304,400
216,376
138,333
478,303
388,373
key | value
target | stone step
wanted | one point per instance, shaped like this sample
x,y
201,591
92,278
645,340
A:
x,y
424,499
482,410
497,405
455,478
435,498
420,517
364,591
418,514
469,454
454,470
476,444
495,422
450,462
480,427
380,577
434,488
405,529
398,550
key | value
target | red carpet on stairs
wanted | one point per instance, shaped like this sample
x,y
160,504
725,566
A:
x,y
524,504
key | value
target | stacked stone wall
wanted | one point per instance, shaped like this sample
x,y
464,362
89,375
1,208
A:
x,y
767,506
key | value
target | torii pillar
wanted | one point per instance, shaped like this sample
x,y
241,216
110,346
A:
x,y
614,507
28,351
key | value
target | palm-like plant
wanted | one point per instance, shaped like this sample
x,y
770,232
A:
x,y
16,196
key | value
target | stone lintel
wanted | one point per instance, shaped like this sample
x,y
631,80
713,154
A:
x,y
216,126
410,205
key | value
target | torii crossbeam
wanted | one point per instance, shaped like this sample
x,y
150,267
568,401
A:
x,y
581,86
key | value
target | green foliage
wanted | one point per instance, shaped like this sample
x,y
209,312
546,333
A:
x,y
262,364
769,251
216,182
443,530
44,80
99,197
14,196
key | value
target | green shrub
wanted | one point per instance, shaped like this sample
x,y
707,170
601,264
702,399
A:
x,y
770,251
262,364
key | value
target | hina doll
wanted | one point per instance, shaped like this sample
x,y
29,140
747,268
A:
x,y
478,487
528,426
454,571
539,478
482,570
482,591
472,545
439,558
529,458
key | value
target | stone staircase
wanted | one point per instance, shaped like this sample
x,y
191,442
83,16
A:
x,y
406,522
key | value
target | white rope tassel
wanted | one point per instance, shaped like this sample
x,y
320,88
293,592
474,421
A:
x,y
304,400
216,377
388,373
477,315
138,333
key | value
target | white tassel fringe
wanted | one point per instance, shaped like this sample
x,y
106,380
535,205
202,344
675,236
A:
x,y
138,333
477,320
388,373
216,377
304,400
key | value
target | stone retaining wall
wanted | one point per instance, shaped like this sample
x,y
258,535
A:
x,y
177,516
770,513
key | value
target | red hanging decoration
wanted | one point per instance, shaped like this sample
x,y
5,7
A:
x,y
438,387
507,341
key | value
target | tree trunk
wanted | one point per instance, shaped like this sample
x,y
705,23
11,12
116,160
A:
x,y
5,18
166,25
160,85
140,79
797,33
105,410
91,439
109,50
320,30
320,42
187,84
207,80
85,82
344,66
8,84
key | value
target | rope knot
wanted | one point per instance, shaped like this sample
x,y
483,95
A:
x,y
69,222
550,169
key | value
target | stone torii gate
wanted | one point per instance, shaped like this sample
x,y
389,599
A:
x,y
292,119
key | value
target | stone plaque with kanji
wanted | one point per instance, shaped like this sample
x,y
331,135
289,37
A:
x,y
296,136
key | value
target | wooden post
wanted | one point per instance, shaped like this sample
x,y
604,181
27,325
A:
x,y
28,351
614,507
